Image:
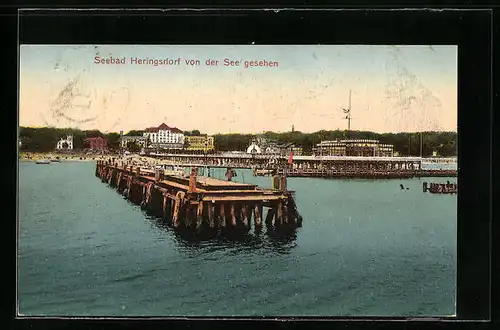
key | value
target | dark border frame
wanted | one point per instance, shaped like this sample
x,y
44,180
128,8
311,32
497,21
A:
x,y
470,29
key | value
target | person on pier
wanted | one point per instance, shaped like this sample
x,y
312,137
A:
x,y
229,174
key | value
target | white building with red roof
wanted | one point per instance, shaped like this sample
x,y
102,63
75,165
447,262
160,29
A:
x,y
165,136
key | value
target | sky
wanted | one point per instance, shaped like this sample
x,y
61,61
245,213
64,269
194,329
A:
x,y
393,88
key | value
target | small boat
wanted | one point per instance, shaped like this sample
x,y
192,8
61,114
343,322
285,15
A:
x,y
55,160
43,161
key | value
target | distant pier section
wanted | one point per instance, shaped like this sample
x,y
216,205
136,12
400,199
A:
x,y
318,166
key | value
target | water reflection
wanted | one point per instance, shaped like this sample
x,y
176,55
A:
x,y
211,240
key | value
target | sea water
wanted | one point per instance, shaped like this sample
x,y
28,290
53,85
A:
x,y
366,247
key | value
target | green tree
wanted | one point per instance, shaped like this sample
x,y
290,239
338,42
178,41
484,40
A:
x,y
135,133
113,140
132,146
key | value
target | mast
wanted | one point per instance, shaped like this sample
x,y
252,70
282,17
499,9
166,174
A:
x,y
421,146
409,144
348,113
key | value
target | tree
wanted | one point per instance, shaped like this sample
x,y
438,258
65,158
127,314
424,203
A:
x,y
135,133
445,143
113,140
132,146
93,133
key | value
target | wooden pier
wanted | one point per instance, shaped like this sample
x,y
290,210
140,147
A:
x,y
203,203
366,173
315,166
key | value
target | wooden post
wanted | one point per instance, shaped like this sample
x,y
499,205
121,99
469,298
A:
x,y
211,214
233,215
175,218
283,183
199,214
245,212
192,180
270,215
278,219
284,213
276,182
258,215
222,218
165,207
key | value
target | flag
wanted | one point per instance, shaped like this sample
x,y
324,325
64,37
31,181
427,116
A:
x,y
290,159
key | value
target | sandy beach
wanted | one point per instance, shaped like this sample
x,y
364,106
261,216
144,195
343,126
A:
x,y
36,156
129,160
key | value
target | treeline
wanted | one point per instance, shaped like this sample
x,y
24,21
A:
x,y
407,144
44,139
444,143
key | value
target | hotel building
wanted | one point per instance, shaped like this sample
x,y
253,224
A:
x,y
359,147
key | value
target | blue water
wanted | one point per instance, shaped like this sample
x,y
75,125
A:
x,y
365,248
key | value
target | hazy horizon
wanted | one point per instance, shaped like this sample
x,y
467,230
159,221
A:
x,y
395,89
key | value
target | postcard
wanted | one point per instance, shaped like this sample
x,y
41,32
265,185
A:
x,y
237,180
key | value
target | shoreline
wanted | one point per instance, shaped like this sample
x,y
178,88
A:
x,y
36,156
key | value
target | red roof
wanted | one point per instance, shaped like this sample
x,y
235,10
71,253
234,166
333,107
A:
x,y
163,126
152,129
95,138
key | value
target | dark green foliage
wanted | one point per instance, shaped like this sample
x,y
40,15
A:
x,y
444,143
132,146
134,133
232,142
113,140
192,133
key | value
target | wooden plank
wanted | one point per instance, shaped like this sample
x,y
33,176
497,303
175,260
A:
x,y
242,198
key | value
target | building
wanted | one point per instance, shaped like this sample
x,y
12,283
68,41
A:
x,y
199,143
165,137
141,141
262,145
360,147
254,148
65,143
97,143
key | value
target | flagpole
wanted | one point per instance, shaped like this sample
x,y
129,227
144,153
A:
x,y
349,119
421,145
348,112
